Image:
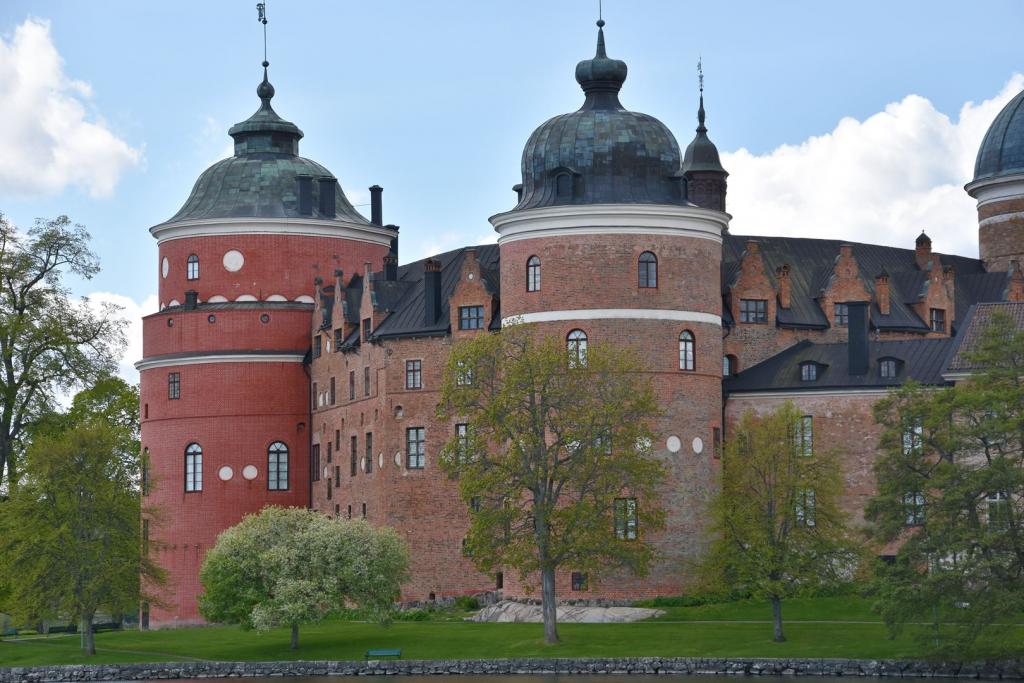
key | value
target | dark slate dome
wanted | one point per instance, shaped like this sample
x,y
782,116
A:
x,y
601,154
1002,149
261,179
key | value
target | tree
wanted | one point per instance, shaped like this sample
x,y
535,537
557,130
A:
x,y
553,458
778,528
289,566
70,533
951,492
48,344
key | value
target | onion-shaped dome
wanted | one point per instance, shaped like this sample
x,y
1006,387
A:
x,y
701,154
602,153
1002,149
262,179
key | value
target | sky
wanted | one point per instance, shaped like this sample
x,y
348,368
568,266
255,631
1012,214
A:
x,y
857,121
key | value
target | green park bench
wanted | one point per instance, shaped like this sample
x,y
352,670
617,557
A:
x,y
377,654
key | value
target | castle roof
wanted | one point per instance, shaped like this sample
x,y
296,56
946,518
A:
x,y
1002,150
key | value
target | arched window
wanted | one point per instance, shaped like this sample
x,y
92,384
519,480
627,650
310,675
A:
x,y
193,267
576,344
193,468
687,359
648,270
533,274
730,365
277,467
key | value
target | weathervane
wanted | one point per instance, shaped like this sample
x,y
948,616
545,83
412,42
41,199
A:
x,y
261,7
700,73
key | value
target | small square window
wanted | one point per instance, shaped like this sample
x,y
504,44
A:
x,y
471,317
842,315
579,581
413,374
754,311
808,372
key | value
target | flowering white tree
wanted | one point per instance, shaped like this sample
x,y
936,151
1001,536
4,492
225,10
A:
x,y
289,566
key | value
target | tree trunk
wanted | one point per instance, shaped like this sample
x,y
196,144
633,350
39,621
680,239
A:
x,y
90,640
777,635
295,636
549,607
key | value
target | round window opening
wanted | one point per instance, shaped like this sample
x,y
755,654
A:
x,y
698,445
211,318
264,318
673,444
170,322
225,473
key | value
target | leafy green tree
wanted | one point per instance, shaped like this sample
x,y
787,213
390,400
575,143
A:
x,y
70,534
554,459
48,343
951,491
290,566
778,529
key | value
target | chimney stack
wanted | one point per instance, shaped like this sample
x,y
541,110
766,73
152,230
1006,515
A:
x,y
191,300
785,286
304,192
394,240
390,267
858,337
376,205
923,251
882,292
431,291
328,196
1015,288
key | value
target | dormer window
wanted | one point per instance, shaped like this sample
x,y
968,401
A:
x,y
888,368
842,315
937,320
809,372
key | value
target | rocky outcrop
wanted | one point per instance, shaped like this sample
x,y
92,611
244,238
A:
x,y
508,611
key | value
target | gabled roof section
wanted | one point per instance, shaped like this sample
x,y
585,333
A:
x,y
922,360
977,319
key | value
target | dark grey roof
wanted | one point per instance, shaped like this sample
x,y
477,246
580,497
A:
x,y
701,154
811,263
611,155
974,326
1002,149
921,360
259,181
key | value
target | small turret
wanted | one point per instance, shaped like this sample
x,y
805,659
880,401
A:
x,y
702,169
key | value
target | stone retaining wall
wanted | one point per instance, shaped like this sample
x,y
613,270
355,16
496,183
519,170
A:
x,y
638,665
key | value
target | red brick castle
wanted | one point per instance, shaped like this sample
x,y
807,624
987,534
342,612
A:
x,y
294,362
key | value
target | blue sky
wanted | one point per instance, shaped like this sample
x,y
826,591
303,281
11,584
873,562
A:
x,y
856,119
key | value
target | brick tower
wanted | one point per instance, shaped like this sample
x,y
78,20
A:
x,y
603,245
224,391
998,185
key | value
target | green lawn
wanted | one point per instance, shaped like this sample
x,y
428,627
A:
x,y
450,639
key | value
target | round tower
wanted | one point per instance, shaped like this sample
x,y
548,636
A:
x,y
603,246
998,186
224,390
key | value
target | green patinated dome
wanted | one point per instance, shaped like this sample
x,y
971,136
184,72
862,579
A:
x,y
261,179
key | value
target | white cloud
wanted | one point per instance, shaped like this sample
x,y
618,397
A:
x,y
46,139
881,180
132,312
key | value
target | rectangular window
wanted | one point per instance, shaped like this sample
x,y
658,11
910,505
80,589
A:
x,y
579,581
413,374
914,505
337,476
364,510
330,489
462,434
337,441
471,317
808,372
174,385
277,468
842,315
937,320
339,339
369,452
887,367
716,440
625,519
999,513
415,447
318,346
145,471
316,396
913,438
194,471
366,381
354,456
333,394
349,512
367,328
753,310
805,436
315,461
329,453
145,537
805,507
474,504
351,385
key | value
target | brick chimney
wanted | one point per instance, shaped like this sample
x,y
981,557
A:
x,y
882,292
1015,288
923,251
857,343
785,285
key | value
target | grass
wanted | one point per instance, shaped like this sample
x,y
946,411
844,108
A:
x,y
709,630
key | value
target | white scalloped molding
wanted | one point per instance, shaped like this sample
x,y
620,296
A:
x,y
311,227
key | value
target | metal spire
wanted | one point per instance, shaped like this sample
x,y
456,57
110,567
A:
x,y
701,128
261,7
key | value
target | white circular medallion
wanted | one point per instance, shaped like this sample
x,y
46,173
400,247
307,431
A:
x,y
380,460
398,458
225,473
673,444
250,472
233,261
165,267
698,445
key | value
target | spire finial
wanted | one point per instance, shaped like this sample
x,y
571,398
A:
x,y
265,90
261,8
701,128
